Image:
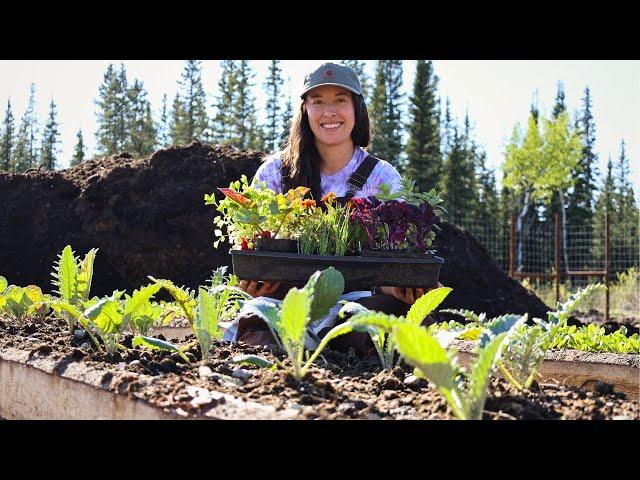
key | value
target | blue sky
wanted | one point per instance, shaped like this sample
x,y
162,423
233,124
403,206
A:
x,y
497,94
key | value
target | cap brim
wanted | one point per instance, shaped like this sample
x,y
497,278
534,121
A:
x,y
335,84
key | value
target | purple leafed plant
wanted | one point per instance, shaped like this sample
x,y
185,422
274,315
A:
x,y
395,224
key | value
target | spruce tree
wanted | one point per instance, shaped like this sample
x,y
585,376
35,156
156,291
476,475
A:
x,y
245,133
164,133
123,106
625,236
581,198
386,110
457,180
190,115
26,153
78,151
359,67
549,210
447,126
223,117
141,139
287,117
559,105
273,87
7,140
606,203
113,112
179,134
423,147
50,140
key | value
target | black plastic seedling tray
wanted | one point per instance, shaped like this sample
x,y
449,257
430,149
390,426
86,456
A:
x,y
360,272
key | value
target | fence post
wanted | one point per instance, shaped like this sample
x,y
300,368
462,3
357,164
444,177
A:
x,y
557,240
512,246
606,265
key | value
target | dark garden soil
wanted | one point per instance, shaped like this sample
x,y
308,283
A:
x,y
339,386
147,217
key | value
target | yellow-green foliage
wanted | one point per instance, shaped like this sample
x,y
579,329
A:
x,y
21,302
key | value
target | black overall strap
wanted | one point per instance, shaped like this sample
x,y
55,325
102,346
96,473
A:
x,y
359,178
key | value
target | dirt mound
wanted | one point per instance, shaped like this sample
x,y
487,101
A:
x,y
147,217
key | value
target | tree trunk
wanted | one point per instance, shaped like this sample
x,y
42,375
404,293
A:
x,y
564,231
521,216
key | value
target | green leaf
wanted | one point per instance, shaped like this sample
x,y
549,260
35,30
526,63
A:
x,y
264,309
480,375
157,344
85,274
426,304
350,308
183,297
421,350
499,325
65,276
252,360
326,288
106,314
467,314
3,284
374,319
140,298
294,317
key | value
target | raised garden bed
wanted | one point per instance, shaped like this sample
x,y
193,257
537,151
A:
x,y
143,384
360,272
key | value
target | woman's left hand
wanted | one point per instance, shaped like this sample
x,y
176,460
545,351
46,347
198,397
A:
x,y
408,294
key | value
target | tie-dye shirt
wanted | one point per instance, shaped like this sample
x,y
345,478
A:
x,y
383,172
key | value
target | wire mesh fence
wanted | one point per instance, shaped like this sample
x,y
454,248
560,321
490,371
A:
x,y
580,249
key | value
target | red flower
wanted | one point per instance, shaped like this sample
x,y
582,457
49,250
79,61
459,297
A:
x,y
266,234
244,245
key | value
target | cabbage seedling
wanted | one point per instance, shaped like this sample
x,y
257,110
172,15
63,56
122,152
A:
x,y
433,362
299,308
382,341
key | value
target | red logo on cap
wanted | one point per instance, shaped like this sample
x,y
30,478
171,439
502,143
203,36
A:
x,y
328,73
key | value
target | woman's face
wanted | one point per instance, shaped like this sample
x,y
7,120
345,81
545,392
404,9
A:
x,y
331,114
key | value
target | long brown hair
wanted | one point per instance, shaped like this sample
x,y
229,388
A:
x,y
300,159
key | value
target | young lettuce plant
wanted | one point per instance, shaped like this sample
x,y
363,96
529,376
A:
x,y
300,307
380,335
22,302
72,277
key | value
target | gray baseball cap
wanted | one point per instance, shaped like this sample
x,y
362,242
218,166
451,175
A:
x,y
332,74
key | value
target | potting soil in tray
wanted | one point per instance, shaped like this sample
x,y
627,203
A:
x,y
360,273
339,386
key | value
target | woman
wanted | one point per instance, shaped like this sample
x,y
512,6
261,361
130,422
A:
x,y
325,152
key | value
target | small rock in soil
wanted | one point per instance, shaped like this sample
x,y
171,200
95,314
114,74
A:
x,y
135,363
85,345
411,380
79,334
242,374
204,372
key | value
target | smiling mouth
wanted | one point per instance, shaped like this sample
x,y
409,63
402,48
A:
x,y
331,126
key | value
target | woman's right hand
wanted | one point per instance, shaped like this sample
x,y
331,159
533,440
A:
x,y
258,289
